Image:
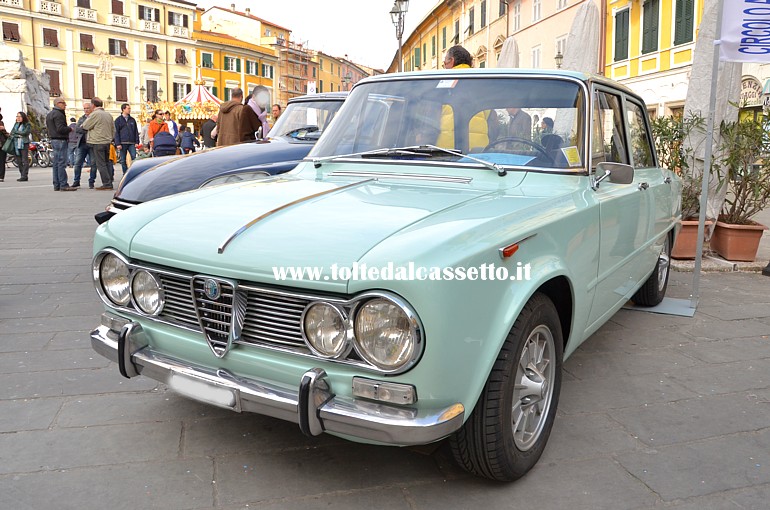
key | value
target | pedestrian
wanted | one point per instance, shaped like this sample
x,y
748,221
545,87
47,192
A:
x,y
254,122
3,138
229,123
546,125
189,142
457,57
173,128
126,135
83,153
19,143
101,132
72,142
209,139
276,111
156,125
519,124
59,132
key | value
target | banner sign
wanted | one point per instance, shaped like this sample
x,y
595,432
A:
x,y
745,31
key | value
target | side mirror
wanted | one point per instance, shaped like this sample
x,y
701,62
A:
x,y
619,173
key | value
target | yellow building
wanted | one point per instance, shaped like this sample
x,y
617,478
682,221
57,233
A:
x,y
649,47
118,50
330,75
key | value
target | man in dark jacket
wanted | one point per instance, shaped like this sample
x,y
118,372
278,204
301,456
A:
x,y
126,135
59,132
209,141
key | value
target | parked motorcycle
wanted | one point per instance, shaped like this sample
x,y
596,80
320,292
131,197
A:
x,y
39,152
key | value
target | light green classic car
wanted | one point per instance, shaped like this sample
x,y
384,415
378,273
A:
x,y
452,237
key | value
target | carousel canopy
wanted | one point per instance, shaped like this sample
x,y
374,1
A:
x,y
199,103
199,94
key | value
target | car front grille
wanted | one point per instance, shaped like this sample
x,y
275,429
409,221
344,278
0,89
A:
x,y
267,317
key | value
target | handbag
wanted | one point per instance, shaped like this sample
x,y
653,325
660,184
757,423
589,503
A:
x,y
10,148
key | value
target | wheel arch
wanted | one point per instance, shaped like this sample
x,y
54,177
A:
x,y
559,290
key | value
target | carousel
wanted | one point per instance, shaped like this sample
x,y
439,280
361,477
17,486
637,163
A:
x,y
192,110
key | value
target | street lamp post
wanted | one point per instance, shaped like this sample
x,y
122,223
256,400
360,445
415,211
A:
x,y
397,14
559,58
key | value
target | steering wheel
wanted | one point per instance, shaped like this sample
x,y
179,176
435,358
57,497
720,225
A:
x,y
539,148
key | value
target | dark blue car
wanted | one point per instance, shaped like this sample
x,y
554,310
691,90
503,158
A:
x,y
290,140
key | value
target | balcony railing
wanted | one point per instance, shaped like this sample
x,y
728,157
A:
x,y
50,7
118,20
12,3
84,14
149,26
175,31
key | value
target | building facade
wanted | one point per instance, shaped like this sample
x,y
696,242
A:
x,y
123,51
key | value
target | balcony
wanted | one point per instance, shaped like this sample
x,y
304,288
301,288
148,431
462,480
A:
x,y
84,14
50,7
118,20
149,26
175,31
13,3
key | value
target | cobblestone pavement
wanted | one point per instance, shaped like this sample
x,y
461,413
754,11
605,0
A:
x,y
656,411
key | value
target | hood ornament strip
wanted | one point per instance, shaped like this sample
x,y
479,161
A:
x,y
250,224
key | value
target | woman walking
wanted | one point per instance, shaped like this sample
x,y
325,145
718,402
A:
x,y
20,141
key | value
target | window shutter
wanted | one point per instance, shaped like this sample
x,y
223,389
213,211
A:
x,y
170,18
238,65
117,7
152,91
141,12
188,88
417,57
84,3
156,17
87,84
55,85
214,91
621,35
185,20
121,88
650,27
123,48
683,21
50,37
689,19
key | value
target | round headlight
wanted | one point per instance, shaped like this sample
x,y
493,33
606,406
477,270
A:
x,y
113,273
384,334
325,330
146,292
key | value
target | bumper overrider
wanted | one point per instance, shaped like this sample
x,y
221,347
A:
x,y
313,405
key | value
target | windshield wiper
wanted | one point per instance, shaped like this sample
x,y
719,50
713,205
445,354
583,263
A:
x,y
413,150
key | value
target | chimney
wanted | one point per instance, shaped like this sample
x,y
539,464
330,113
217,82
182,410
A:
x,y
248,11
232,7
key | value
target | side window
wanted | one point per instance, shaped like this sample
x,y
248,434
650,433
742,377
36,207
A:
x,y
608,141
641,145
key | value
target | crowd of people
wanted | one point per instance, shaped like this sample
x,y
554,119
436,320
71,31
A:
x,y
99,141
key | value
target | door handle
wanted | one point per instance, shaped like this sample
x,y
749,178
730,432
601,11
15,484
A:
x,y
667,180
643,186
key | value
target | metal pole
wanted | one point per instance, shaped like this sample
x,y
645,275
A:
x,y
400,58
694,296
400,33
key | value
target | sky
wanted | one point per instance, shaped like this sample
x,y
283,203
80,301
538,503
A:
x,y
362,29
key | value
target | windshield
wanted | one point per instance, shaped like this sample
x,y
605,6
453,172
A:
x,y
509,121
305,120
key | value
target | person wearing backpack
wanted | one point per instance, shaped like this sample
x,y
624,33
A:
x,y
189,142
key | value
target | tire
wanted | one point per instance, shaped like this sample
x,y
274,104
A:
x,y
653,291
507,431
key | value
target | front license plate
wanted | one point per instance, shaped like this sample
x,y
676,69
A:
x,y
203,391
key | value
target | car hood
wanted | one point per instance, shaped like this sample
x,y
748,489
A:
x,y
243,230
186,173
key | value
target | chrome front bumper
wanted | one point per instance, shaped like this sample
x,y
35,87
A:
x,y
313,405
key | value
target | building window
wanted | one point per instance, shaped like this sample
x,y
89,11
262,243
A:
x,y
118,47
320,85
502,8
424,52
561,44
152,91
561,4
55,84
456,38
443,38
471,20
621,35
517,15
86,42
214,91
267,71
233,64
180,90
117,8
181,56
176,19
684,18
207,60
121,89
84,3
11,32
417,57
433,46
536,57
483,13
87,85
152,52
148,13
650,26
50,37
535,10
251,67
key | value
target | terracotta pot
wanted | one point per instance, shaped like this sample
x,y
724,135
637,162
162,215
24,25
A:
x,y
737,242
687,241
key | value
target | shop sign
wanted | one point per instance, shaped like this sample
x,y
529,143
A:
x,y
751,92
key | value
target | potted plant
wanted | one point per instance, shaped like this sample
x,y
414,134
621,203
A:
x,y
745,168
670,134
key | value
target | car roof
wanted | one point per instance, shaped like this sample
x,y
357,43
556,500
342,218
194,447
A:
x,y
323,96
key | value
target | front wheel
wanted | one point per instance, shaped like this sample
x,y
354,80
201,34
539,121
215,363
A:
x,y
654,289
510,425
